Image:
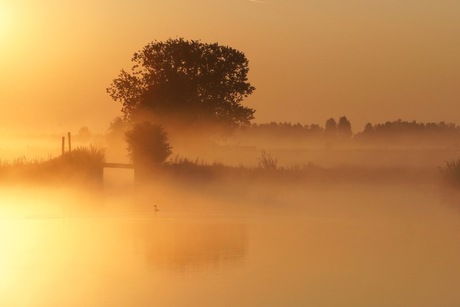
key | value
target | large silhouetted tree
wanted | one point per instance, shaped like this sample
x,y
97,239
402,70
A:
x,y
182,83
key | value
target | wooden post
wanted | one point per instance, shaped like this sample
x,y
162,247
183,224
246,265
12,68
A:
x,y
63,144
70,141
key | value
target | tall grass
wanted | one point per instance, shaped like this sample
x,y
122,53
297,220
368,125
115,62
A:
x,y
267,161
84,156
82,165
451,172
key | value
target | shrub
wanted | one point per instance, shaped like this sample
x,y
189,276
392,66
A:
x,y
267,161
147,145
82,165
89,157
451,172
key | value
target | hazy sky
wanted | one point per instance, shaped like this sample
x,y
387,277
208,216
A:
x,y
309,59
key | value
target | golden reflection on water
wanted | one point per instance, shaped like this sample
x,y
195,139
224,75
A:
x,y
60,257
185,245
343,253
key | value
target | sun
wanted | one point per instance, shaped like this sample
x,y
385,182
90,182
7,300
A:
x,y
5,22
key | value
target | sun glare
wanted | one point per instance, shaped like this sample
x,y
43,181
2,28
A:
x,y
4,22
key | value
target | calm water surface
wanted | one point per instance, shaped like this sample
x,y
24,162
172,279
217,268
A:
x,y
341,249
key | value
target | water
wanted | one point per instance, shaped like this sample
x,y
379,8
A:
x,y
343,248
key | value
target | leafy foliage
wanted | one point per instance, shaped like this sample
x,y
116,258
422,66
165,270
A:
x,y
331,128
344,128
147,145
185,83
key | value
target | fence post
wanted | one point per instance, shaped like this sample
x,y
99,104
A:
x,y
63,144
70,141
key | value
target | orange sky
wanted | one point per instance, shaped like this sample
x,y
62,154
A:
x,y
309,59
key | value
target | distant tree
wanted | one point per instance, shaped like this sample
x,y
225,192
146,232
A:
x,y
331,128
115,138
181,83
344,128
117,125
285,131
117,128
368,129
314,128
147,145
84,134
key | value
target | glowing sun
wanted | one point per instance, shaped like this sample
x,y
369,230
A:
x,y
4,22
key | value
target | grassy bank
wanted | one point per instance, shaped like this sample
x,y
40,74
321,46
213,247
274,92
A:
x,y
82,166
268,171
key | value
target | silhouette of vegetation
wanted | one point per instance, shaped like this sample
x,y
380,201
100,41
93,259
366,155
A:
x,y
90,157
149,149
344,128
285,134
331,128
399,132
115,139
83,165
181,83
267,161
117,128
451,172
147,145
84,134
236,181
405,132
284,129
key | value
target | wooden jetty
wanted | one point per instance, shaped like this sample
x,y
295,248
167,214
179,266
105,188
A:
x,y
119,165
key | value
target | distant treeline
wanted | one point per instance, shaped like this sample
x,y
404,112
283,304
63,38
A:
x,y
392,132
332,128
404,130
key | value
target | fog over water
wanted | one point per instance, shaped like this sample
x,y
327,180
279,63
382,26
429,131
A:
x,y
329,224
340,244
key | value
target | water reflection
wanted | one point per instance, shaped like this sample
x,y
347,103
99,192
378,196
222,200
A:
x,y
49,261
194,245
347,248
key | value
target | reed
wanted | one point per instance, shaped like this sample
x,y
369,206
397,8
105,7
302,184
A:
x,y
81,165
451,172
267,161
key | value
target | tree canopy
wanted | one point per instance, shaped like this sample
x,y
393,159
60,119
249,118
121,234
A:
x,y
344,128
185,83
331,127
